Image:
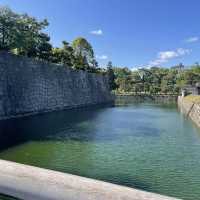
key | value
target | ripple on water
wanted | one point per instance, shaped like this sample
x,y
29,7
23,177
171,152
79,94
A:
x,y
147,146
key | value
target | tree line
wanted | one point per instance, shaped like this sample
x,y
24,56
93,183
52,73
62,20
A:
x,y
154,80
24,35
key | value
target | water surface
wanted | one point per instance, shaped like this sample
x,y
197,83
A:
x,y
144,145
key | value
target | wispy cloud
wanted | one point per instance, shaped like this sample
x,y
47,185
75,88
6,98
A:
x,y
192,39
96,32
134,69
165,56
102,57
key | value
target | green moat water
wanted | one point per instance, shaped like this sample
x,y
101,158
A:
x,y
144,145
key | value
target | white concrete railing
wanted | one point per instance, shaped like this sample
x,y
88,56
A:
x,y
32,183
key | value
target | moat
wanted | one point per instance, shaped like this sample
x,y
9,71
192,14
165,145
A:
x,y
149,146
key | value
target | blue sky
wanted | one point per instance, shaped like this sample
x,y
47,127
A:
x,y
130,33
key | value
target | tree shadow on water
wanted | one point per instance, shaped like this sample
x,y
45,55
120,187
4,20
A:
x,y
42,126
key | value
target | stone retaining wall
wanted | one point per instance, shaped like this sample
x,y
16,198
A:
x,y
146,97
190,109
28,87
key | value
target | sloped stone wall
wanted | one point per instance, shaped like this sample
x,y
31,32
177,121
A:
x,y
190,109
28,87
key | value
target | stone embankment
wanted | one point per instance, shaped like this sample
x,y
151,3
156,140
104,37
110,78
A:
x,y
29,87
190,108
126,98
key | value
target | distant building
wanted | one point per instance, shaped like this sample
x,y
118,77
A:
x,y
193,90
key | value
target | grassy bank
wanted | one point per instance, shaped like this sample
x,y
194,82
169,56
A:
x,y
194,99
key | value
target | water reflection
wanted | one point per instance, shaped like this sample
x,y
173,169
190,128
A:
x,y
44,126
78,125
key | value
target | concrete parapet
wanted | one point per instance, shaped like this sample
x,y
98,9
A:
x,y
31,183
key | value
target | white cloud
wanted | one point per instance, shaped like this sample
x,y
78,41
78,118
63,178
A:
x,y
96,32
102,57
134,69
182,52
139,67
165,56
192,39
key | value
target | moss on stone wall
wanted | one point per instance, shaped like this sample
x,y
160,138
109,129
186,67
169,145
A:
x,y
191,98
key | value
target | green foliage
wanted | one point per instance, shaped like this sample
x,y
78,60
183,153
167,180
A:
x,y
81,62
22,35
156,80
191,98
111,76
64,55
84,54
8,28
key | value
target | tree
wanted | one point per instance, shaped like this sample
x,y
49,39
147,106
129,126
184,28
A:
x,y
94,67
8,28
123,79
23,34
111,76
180,67
68,54
44,48
83,53
64,55
56,55
30,36
80,62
